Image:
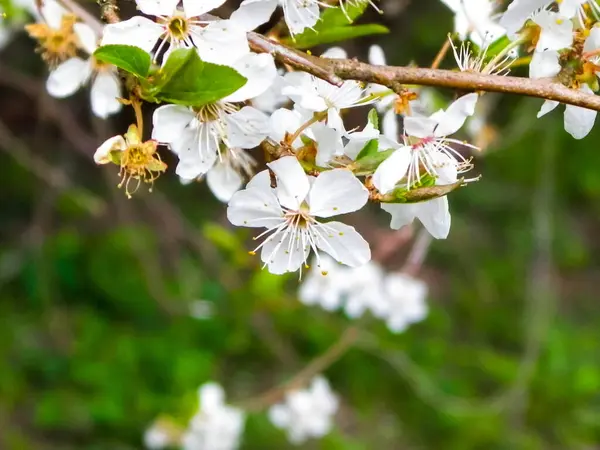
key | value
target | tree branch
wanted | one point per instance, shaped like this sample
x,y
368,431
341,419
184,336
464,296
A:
x,y
335,70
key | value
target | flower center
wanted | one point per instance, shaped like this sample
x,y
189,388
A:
x,y
139,162
57,45
214,111
178,28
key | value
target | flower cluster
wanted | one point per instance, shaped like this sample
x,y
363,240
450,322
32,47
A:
x,y
306,413
396,298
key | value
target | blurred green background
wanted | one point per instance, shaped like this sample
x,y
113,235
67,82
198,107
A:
x,y
114,311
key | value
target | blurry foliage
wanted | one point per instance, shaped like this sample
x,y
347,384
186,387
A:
x,y
97,340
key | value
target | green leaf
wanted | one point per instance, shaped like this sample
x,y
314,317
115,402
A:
x,y
370,149
127,57
187,80
310,38
373,117
334,26
369,159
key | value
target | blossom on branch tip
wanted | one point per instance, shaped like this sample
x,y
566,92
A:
x,y
290,210
217,41
427,149
306,413
137,160
476,20
216,426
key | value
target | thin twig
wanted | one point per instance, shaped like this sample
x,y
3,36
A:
x,y
316,366
335,70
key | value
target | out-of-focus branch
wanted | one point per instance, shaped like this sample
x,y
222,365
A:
x,y
110,10
316,366
335,70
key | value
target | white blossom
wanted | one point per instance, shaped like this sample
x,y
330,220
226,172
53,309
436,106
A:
x,y
313,94
306,413
196,135
406,301
298,14
216,426
425,141
290,212
69,76
218,41
476,20
227,176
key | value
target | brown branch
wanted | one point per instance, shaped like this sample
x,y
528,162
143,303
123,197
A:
x,y
334,70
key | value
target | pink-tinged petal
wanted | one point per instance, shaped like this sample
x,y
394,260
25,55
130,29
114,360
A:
x,y
223,181
260,73
455,115
420,127
169,122
292,182
106,89
247,127
194,8
254,208
335,192
549,105
68,77
253,13
159,7
344,244
284,253
115,143
435,216
87,37
138,31
392,170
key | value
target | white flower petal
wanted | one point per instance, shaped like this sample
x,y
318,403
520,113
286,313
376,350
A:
x,y
335,53
52,13
402,213
247,127
329,143
389,124
87,37
220,42
194,8
138,31
169,122
223,181
197,151
376,55
549,105
262,180
254,208
101,156
593,40
455,115
518,12
335,192
106,89
284,121
260,73
579,121
211,396
280,416
253,13
544,64
284,253
292,182
68,77
420,127
392,170
300,15
344,244
556,31
158,7
435,216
